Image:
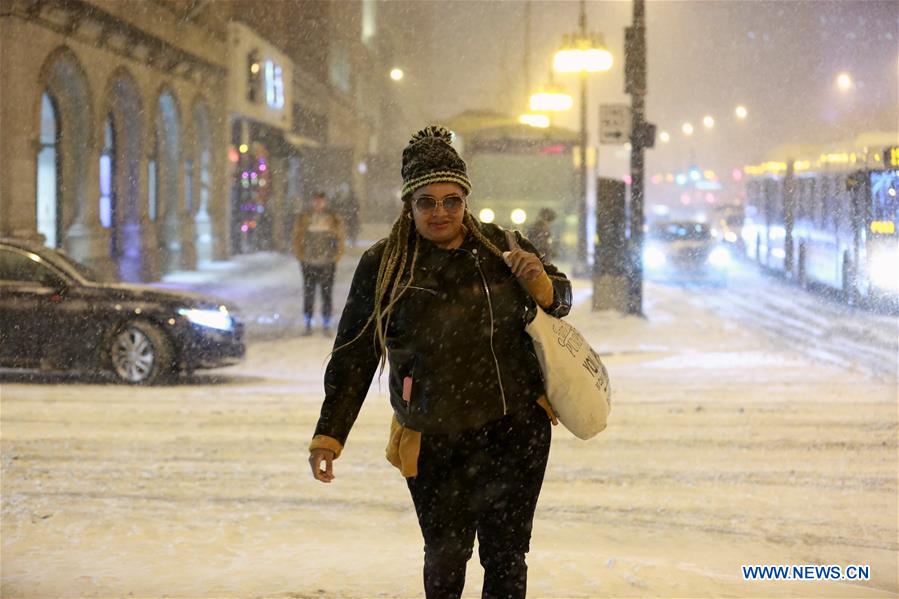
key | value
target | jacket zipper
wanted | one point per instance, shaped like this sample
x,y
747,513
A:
x,y
499,378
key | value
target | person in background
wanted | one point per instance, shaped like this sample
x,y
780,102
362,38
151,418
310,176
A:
x,y
541,235
445,301
318,243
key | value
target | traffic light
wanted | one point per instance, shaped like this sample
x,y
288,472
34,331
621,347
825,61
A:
x,y
647,135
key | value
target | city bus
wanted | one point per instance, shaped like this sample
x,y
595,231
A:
x,y
517,170
833,226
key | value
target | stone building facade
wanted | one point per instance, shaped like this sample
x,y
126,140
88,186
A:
x,y
112,122
132,135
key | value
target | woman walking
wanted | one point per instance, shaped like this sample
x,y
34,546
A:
x,y
471,426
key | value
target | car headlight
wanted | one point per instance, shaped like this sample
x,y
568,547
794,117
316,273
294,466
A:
x,y
653,257
884,270
720,258
214,319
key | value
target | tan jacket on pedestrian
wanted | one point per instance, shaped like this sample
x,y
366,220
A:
x,y
301,226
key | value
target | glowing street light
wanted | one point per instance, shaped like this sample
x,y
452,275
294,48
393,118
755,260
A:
x,y
396,74
741,112
551,99
582,53
708,122
540,121
518,216
687,128
844,82
486,215
664,137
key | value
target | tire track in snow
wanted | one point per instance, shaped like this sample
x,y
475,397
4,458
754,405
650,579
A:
x,y
824,332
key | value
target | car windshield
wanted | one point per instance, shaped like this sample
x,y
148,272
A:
x,y
681,231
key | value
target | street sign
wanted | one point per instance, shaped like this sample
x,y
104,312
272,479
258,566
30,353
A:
x,y
614,123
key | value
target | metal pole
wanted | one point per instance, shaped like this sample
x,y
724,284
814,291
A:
x,y
638,139
582,185
581,266
527,47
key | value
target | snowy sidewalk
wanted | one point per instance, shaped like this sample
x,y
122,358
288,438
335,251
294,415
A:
x,y
725,447
267,287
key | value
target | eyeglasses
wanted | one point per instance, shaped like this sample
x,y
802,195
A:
x,y
428,204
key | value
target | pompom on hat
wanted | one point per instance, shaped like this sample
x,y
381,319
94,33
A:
x,y
431,158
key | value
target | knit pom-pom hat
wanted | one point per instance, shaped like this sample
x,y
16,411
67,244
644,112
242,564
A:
x,y
431,158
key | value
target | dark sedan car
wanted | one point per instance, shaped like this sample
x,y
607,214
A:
x,y
55,314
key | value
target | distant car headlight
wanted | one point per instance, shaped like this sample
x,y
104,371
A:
x,y
719,258
653,257
214,319
884,270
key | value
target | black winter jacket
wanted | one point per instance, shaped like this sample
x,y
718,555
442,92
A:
x,y
457,335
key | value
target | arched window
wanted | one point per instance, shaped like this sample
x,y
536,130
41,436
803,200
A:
x,y
107,169
254,78
204,181
48,175
152,199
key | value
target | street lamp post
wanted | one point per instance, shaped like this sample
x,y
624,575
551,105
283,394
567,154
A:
x,y
581,264
582,53
642,137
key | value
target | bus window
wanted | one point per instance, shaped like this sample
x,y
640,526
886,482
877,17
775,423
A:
x,y
820,191
885,196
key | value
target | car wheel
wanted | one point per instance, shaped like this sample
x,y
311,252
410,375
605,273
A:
x,y
140,354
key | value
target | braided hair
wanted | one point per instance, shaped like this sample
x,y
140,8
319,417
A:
x,y
389,287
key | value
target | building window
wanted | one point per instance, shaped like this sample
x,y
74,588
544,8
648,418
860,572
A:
x,y
369,20
107,205
254,78
47,200
204,182
274,85
151,188
189,186
339,69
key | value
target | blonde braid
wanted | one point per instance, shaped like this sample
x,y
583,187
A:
x,y
473,225
396,252
390,271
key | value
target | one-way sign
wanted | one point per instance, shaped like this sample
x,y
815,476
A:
x,y
614,123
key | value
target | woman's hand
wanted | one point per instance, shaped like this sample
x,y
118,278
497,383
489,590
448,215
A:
x,y
316,457
524,265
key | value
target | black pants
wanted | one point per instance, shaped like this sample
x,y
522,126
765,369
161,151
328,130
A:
x,y
483,482
315,275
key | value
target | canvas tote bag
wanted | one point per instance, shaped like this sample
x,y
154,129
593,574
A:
x,y
577,383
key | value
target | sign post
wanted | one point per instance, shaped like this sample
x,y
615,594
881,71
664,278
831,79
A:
x,y
614,123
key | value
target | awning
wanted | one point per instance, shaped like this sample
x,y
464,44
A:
x,y
299,141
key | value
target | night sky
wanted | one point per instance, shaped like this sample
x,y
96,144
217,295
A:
x,y
779,59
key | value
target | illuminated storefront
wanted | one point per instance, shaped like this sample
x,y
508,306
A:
x,y
260,79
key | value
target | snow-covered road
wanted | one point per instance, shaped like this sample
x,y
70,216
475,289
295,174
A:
x,y
751,425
